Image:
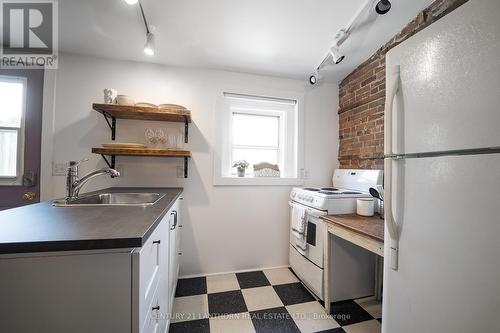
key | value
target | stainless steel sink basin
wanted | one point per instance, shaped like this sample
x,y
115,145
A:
x,y
112,199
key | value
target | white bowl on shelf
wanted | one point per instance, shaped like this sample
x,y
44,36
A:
x,y
124,100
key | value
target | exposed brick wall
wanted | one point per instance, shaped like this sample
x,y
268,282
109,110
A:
x,y
362,97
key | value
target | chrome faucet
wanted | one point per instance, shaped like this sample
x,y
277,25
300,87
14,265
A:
x,y
74,183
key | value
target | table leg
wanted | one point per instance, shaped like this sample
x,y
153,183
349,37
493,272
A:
x,y
326,270
379,276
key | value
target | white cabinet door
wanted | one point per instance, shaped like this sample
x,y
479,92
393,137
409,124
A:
x,y
150,265
164,293
60,292
174,249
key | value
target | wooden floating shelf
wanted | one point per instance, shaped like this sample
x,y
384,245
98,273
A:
x,y
142,152
143,112
151,152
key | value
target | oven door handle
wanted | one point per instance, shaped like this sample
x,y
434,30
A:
x,y
295,230
310,211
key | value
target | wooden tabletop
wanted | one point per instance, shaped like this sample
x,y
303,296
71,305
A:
x,y
372,227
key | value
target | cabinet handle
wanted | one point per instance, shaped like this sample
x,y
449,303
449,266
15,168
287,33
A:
x,y
156,308
174,213
157,242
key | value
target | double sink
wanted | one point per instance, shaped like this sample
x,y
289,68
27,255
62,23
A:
x,y
111,199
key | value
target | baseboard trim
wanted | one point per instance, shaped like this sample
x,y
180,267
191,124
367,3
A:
x,y
231,272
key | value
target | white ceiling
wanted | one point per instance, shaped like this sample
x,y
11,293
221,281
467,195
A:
x,y
285,38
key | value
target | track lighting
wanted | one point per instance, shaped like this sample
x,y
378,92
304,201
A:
x,y
337,56
131,2
334,53
383,7
149,47
315,78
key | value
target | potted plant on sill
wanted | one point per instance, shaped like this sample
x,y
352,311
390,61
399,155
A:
x,y
241,166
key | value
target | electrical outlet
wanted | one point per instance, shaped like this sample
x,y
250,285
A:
x,y
59,169
180,171
304,173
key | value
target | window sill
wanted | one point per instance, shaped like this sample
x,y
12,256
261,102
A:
x,y
257,181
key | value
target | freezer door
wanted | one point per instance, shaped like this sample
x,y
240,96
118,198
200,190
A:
x,y
448,212
449,96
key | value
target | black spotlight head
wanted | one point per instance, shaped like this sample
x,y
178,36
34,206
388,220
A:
x,y
313,79
339,60
383,7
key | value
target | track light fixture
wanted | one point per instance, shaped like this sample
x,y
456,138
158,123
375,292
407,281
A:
x,y
149,47
334,52
315,78
337,56
383,7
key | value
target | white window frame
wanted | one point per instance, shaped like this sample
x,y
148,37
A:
x,y
291,139
18,179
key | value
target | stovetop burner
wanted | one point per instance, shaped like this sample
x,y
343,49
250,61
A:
x,y
351,192
329,189
312,189
330,192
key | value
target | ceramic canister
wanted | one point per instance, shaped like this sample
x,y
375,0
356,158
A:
x,y
365,206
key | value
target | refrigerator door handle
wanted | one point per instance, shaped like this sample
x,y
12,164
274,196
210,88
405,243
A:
x,y
392,90
390,222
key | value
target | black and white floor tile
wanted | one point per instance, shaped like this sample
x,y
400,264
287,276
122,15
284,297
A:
x,y
265,301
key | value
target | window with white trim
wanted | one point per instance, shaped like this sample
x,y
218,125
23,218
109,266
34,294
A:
x,y
12,103
258,129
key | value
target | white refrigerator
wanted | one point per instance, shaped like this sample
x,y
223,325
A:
x,y
442,176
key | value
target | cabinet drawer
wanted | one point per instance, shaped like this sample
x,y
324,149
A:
x,y
150,260
156,317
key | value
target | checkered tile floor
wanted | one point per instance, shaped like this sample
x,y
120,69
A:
x,y
265,301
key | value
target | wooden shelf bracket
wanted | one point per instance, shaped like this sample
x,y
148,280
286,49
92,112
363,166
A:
x,y
112,125
110,158
111,163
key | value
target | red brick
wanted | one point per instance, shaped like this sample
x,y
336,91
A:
x,y
362,97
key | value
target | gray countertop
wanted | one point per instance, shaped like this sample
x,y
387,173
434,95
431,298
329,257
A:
x,y
42,227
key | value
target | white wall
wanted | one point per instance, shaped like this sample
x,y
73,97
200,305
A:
x,y
225,228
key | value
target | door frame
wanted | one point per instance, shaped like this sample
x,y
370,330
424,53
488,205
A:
x,y
48,132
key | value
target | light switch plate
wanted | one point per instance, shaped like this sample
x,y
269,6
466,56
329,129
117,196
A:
x,y
59,169
180,171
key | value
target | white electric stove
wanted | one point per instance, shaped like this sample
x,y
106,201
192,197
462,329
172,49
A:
x,y
348,185
352,267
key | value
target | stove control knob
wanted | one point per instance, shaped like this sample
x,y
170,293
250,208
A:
x,y
311,199
293,194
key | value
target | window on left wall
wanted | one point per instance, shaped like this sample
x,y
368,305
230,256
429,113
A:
x,y
12,104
